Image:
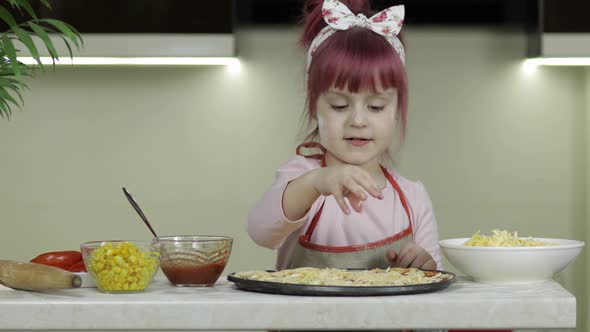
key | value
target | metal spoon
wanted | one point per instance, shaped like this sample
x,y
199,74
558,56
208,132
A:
x,y
138,210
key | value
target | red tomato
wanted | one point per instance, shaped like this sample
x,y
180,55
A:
x,y
60,259
78,267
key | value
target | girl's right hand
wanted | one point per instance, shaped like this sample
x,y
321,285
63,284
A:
x,y
348,181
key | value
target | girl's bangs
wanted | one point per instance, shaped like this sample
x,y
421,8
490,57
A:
x,y
355,64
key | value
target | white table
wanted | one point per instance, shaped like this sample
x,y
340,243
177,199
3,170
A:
x,y
463,305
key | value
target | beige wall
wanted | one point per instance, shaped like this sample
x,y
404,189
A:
x,y
197,146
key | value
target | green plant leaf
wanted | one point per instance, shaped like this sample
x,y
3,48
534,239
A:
x,y
7,72
45,3
66,29
22,3
4,106
25,38
14,3
7,107
11,84
27,6
8,47
4,110
16,87
5,95
67,46
19,84
12,72
42,33
7,17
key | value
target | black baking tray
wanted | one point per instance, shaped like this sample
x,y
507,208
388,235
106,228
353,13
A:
x,y
314,290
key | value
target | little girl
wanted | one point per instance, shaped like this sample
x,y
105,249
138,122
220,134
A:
x,y
340,207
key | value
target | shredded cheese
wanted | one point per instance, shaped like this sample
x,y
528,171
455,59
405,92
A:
x,y
503,238
342,277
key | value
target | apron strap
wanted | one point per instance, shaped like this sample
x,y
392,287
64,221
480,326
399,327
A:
x,y
402,197
396,187
314,222
311,145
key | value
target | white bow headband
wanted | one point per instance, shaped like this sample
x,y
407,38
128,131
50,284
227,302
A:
x,y
386,23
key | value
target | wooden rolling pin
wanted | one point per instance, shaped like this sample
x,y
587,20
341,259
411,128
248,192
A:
x,y
36,277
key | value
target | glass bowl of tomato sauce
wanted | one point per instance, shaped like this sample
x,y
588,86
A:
x,y
194,260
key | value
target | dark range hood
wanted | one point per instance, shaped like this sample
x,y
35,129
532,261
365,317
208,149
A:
x,y
221,16
418,12
555,28
198,28
146,31
143,16
562,31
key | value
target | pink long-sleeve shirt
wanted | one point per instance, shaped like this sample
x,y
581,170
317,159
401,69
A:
x,y
268,226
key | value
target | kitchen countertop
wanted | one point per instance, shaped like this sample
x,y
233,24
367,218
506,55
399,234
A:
x,y
463,305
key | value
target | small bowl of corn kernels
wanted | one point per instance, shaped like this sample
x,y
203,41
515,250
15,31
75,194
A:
x,y
120,266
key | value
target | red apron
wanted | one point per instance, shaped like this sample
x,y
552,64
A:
x,y
369,255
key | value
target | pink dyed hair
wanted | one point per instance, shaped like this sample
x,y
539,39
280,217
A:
x,y
351,59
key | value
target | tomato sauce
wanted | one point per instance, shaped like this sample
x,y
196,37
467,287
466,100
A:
x,y
197,275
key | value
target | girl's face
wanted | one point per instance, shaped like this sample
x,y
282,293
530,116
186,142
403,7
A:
x,y
357,128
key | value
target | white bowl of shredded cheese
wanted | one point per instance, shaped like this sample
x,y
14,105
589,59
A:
x,y
506,258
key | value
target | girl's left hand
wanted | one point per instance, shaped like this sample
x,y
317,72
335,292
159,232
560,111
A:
x,y
411,255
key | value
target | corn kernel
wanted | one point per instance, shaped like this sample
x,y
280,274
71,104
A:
x,y
122,267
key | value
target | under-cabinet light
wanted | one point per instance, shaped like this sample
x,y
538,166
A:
x,y
138,61
534,62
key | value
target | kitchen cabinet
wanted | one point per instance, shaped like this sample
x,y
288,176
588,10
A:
x,y
463,305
